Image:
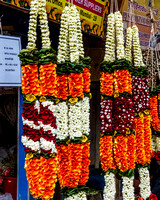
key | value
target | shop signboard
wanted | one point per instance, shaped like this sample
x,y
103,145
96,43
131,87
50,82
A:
x,y
92,12
10,67
140,16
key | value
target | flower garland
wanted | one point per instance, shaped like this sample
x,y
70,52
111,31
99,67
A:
x,y
41,174
142,117
128,189
73,78
109,184
110,40
128,49
119,35
39,121
106,89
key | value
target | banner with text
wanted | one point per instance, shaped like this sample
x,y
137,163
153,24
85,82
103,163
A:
x,y
93,13
140,16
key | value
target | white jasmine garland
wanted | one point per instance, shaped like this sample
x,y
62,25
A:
x,y
110,39
47,145
128,49
63,37
144,185
73,41
119,35
85,112
62,120
29,143
79,196
109,191
32,36
46,43
128,189
75,122
138,59
79,35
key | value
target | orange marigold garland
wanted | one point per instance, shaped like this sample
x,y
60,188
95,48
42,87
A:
x,y
85,163
106,81
106,153
30,81
75,84
75,162
41,175
122,81
120,152
62,86
48,80
63,165
154,113
86,80
147,138
139,129
131,151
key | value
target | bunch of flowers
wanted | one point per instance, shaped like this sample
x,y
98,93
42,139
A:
x,y
142,116
39,121
73,107
106,89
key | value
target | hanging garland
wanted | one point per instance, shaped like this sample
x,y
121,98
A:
x,y
39,121
142,116
73,71
106,89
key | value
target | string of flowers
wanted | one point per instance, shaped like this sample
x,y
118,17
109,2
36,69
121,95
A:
x,y
124,139
142,116
39,121
106,89
73,72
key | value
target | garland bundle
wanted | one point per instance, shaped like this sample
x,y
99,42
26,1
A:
x,y
39,109
73,79
106,116
142,116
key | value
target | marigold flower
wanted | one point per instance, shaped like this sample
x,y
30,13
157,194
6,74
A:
x,y
75,84
30,81
48,80
106,81
120,152
140,150
106,153
131,151
62,86
84,174
86,80
122,81
154,113
147,138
